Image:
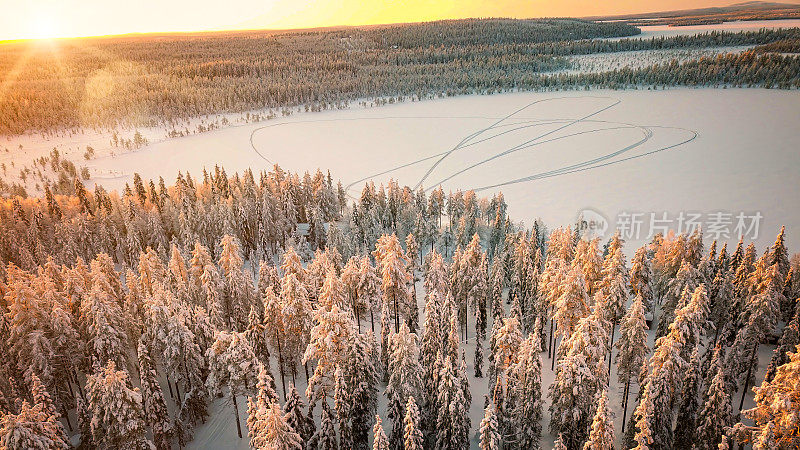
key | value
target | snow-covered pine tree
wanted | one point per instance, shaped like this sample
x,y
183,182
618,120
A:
x,y
653,416
154,406
761,315
31,428
355,393
453,409
118,419
208,285
296,319
507,340
524,398
412,250
297,419
292,264
489,430
632,345
238,284
412,435
43,401
721,299
325,439
601,436
775,413
104,320
715,414
430,350
277,433
686,424
232,364
404,377
580,374
178,273
641,274
788,341
392,265
588,258
381,442
686,280
572,305
327,346
257,408
613,289
496,282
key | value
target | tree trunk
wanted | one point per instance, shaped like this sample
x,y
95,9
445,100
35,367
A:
x,y
396,314
77,383
178,392
236,412
280,364
372,319
550,340
747,378
555,351
611,347
66,416
169,384
625,404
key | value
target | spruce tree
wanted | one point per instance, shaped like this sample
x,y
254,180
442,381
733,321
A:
x,y
404,378
276,433
523,400
632,345
257,408
326,437
297,419
601,436
685,427
777,402
715,414
155,408
118,419
412,435
232,364
490,434
31,428
355,395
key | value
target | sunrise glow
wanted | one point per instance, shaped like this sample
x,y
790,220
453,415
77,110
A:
x,y
43,19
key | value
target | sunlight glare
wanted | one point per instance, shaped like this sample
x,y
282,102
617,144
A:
x,y
44,27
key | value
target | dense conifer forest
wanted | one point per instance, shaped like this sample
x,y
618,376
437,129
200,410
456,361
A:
x,y
128,316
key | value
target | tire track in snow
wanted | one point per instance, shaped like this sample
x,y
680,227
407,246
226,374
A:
x,y
470,140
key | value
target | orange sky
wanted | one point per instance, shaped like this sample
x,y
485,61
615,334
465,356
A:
x,y
59,18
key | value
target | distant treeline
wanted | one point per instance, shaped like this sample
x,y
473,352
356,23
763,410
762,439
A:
x,y
709,39
163,80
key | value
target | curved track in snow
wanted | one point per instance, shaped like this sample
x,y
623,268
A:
x,y
502,126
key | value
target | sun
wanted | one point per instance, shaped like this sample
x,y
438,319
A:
x,y
44,27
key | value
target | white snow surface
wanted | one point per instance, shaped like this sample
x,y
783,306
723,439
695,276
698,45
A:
x,y
657,31
694,150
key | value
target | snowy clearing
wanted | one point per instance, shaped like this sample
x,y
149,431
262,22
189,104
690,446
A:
x,y
604,62
656,31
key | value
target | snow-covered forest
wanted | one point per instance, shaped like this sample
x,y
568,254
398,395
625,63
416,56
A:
x,y
398,320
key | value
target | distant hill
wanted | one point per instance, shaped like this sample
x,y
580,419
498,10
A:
x,y
751,10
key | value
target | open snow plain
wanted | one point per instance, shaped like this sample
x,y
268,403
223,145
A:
x,y
657,31
551,154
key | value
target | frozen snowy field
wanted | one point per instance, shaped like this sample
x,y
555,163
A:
x,y
551,154
731,27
